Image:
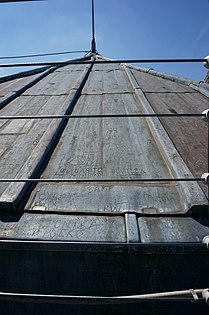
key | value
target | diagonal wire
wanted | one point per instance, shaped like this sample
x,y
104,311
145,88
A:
x,y
5,1
44,54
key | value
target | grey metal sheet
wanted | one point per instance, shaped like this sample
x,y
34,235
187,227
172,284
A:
x,y
13,85
77,228
23,142
70,68
173,77
108,148
113,80
92,148
190,135
166,230
107,67
154,84
132,230
107,198
19,138
57,83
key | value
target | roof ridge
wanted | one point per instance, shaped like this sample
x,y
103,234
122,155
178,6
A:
x,y
164,75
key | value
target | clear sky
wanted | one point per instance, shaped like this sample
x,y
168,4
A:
x,y
130,29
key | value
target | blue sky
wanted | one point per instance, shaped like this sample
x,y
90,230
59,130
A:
x,y
138,29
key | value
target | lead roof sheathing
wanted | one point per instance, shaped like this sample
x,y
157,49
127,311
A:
x,y
189,135
101,148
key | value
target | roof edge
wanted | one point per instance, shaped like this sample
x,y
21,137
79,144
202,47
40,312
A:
x,y
203,88
198,86
164,75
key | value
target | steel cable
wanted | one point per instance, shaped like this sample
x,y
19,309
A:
x,y
177,296
101,62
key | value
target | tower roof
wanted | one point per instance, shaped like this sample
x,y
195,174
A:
x,y
89,171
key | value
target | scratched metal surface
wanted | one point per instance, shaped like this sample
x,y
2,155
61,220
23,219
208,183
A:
x,y
6,88
36,245
23,142
109,148
61,82
88,148
63,227
168,230
107,80
190,135
154,84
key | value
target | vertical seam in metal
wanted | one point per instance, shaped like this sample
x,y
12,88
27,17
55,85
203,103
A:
x,y
132,228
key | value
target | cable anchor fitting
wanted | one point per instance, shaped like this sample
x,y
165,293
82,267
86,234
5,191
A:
x,y
206,240
206,62
206,113
195,296
205,295
205,178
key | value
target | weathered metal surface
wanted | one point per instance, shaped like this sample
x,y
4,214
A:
x,y
167,76
104,81
61,82
19,91
191,192
113,148
72,241
13,85
153,84
24,143
167,230
132,229
190,135
149,199
77,228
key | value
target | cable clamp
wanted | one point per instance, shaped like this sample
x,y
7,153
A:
x,y
194,294
205,177
206,240
205,295
206,113
206,62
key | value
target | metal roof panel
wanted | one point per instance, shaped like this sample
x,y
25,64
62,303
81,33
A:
x,y
97,148
167,230
104,148
154,84
54,227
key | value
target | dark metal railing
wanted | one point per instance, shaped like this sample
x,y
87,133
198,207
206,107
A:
x,y
63,63
101,116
